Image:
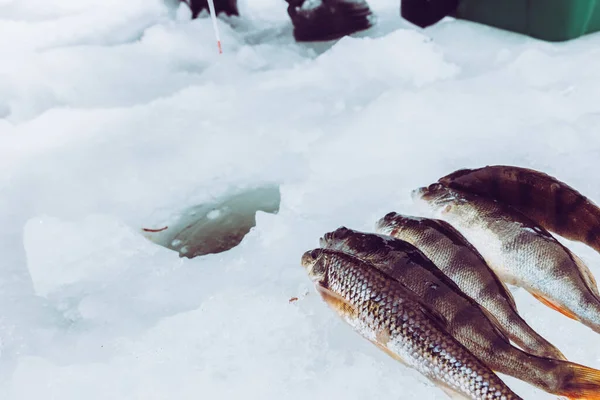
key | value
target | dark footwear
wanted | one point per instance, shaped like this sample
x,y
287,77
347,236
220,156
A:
x,y
322,20
229,7
424,13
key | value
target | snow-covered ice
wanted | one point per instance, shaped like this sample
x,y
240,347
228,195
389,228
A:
x,y
116,115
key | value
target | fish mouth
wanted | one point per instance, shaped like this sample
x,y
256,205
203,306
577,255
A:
x,y
309,260
387,222
417,194
429,193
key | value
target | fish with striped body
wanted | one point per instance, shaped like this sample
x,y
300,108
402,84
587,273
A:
x,y
467,322
389,315
553,204
452,253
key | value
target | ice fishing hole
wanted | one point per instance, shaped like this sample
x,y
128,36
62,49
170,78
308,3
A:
x,y
216,226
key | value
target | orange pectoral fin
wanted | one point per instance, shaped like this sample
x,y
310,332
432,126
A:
x,y
337,302
554,306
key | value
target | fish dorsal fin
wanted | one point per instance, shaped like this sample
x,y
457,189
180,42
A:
x,y
587,275
495,323
433,314
509,295
337,302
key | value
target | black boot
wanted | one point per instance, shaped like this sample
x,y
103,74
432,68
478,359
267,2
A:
x,y
424,13
229,7
322,20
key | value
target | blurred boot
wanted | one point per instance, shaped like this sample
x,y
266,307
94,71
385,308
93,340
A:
x,y
322,20
229,7
424,13
313,20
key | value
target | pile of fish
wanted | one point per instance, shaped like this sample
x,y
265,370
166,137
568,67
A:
x,y
430,292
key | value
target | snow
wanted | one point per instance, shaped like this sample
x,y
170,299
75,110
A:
x,y
119,115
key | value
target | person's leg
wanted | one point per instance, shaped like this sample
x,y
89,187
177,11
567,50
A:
x,y
229,7
320,20
424,13
313,20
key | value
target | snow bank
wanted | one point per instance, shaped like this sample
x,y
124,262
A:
x,y
118,115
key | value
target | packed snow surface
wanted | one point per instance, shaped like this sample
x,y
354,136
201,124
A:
x,y
117,115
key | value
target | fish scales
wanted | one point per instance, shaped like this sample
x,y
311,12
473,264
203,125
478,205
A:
x,y
456,257
466,320
525,254
553,204
388,314
521,252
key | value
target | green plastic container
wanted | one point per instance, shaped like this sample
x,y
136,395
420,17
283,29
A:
x,y
550,20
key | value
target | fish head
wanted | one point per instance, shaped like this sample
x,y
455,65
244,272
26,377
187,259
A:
x,y
436,197
393,223
372,247
316,267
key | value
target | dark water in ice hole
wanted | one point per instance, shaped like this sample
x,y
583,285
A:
x,y
217,226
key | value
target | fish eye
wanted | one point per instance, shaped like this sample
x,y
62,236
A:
x,y
389,217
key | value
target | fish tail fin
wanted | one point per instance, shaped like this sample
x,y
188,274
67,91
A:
x,y
580,382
